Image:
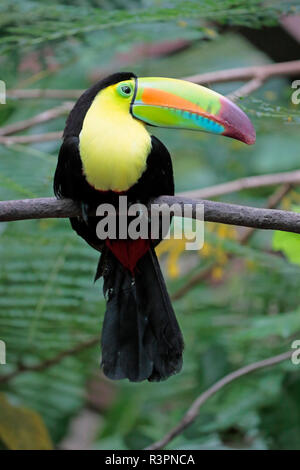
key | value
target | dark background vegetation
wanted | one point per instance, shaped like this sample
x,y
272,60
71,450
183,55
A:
x,y
246,309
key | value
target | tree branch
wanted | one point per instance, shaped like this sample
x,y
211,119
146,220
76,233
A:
x,y
232,214
247,73
50,362
193,281
263,72
255,75
45,116
193,411
39,93
30,139
272,179
244,237
273,201
246,89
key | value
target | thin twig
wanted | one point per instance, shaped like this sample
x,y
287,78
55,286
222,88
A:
x,y
30,139
193,411
288,177
193,281
49,362
39,93
246,89
40,118
247,73
256,76
231,214
230,75
244,237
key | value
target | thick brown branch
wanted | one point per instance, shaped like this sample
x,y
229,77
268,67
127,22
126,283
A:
x,y
193,411
40,208
246,216
50,362
231,214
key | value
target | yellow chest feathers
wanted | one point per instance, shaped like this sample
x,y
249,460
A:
x,y
113,145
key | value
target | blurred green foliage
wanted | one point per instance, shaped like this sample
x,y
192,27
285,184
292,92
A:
x,y
39,22
48,301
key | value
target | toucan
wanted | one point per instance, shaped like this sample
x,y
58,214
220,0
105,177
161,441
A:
x,y
107,151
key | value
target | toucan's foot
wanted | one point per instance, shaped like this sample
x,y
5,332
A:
x,y
85,212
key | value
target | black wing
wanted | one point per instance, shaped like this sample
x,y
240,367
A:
x,y
69,181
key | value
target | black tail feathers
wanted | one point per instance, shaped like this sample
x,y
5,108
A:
x,y
141,338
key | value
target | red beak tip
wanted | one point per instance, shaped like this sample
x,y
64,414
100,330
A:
x,y
250,139
237,124
247,137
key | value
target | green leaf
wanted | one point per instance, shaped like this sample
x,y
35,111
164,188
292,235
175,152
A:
x,y
288,243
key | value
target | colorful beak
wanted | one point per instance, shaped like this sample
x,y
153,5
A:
x,y
167,102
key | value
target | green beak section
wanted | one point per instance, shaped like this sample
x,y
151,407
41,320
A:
x,y
166,102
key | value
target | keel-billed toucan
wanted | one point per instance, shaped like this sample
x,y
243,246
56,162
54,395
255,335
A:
x,y
107,151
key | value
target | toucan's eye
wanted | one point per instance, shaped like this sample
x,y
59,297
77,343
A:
x,y
125,90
